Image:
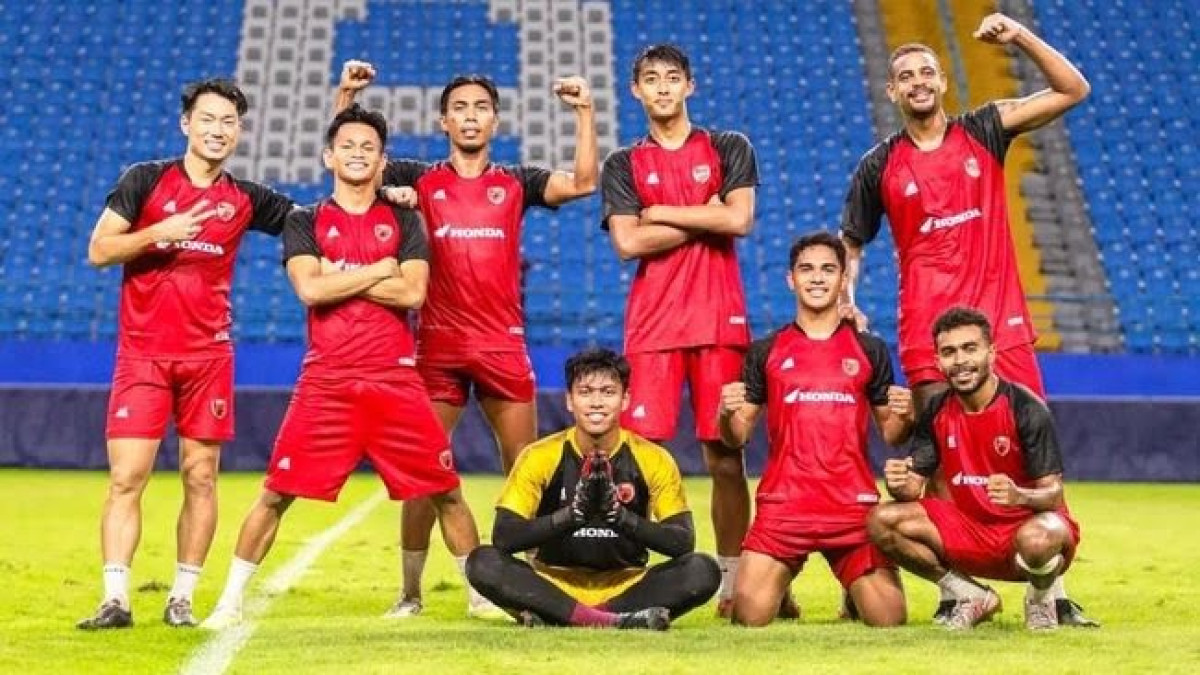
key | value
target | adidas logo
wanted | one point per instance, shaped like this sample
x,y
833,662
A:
x,y
910,189
284,464
333,232
652,179
439,196
788,364
122,413
170,207
639,412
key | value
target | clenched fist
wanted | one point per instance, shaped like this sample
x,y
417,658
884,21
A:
x,y
998,29
356,75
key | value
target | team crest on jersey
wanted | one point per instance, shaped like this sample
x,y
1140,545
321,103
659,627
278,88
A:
x,y
225,211
383,231
446,459
701,173
1002,445
850,367
496,194
218,407
625,492
971,166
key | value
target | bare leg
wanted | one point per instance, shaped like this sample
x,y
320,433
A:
x,y
762,582
417,517
199,461
879,598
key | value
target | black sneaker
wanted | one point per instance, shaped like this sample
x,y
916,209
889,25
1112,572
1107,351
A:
x,y
178,613
652,618
941,616
110,615
1071,614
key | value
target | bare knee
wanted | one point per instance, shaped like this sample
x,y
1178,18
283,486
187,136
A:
x,y
725,465
1040,539
125,483
750,611
199,481
273,501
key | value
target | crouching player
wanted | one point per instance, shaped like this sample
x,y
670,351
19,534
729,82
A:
x,y
592,500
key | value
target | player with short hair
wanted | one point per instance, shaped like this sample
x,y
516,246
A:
x,y
472,328
1006,517
175,225
359,264
677,200
818,380
592,501
940,182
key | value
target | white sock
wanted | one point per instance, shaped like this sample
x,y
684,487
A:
x,y
186,577
728,566
944,594
1060,591
240,572
412,564
1037,595
474,597
959,587
116,583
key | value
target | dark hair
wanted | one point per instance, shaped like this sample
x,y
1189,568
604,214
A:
x,y
958,317
905,50
597,360
666,53
356,114
214,85
818,238
464,80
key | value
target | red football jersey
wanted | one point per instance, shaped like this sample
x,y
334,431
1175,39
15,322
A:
x,y
474,233
690,296
175,296
1013,435
818,396
357,338
949,218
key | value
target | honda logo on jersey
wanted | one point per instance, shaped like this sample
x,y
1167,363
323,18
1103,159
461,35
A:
x,y
496,194
1002,445
383,231
701,173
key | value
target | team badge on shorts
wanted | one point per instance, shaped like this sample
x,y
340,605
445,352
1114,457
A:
x,y
971,166
701,173
496,194
850,367
218,407
1001,444
625,492
383,231
225,211
446,459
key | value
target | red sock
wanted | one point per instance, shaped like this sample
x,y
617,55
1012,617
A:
x,y
582,615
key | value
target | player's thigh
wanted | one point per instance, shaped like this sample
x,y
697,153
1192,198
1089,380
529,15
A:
x,y
514,423
405,441
762,581
445,380
655,384
504,376
204,405
130,463
872,580
319,443
709,369
1020,365
140,403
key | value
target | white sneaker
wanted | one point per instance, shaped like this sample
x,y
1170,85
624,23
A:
x,y
486,609
405,608
222,618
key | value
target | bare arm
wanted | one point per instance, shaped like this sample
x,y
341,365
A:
x,y
848,305
734,216
112,243
1067,85
737,416
1045,495
356,76
406,291
632,239
582,180
315,288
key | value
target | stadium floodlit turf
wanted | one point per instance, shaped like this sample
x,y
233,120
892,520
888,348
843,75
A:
x,y
1136,572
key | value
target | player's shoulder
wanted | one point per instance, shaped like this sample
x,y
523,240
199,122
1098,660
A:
x,y
151,169
937,403
763,344
649,455
619,157
875,158
551,445
725,138
1024,402
870,342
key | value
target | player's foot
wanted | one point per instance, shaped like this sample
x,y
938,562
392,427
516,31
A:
x,y
486,609
222,618
941,615
848,610
972,611
724,608
1041,615
530,620
405,608
178,613
651,618
788,609
110,615
1071,614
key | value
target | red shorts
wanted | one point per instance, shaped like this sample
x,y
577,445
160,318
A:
x,y
146,392
846,548
507,376
1016,364
655,382
983,549
330,426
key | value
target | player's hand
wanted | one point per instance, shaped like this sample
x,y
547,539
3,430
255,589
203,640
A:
x,y
400,196
574,91
900,402
998,29
848,311
581,506
613,510
1002,491
183,226
895,473
331,267
356,75
733,397
387,266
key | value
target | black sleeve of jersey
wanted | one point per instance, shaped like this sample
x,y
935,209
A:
x,y
862,214
271,208
298,235
673,537
984,125
1035,426
754,369
511,533
133,188
413,243
881,368
616,184
925,453
739,166
533,184
404,172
